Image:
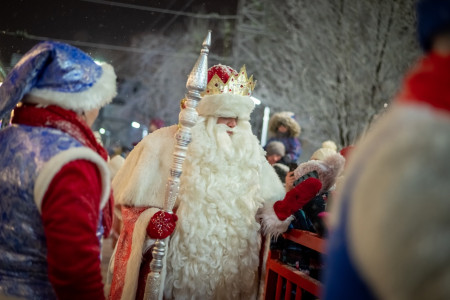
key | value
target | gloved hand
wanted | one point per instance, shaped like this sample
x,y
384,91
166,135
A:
x,y
161,225
297,197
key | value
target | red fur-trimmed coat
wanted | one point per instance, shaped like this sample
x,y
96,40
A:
x,y
140,187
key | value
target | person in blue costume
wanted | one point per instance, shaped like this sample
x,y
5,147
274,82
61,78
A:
x,y
55,195
391,225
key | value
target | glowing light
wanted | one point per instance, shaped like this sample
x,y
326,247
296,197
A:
x,y
102,130
265,125
256,100
135,124
385,105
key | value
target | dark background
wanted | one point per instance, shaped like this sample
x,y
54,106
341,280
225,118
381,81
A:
x,y
104,29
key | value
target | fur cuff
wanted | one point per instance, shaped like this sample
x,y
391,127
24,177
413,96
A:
x,y
56,163
100,94
226,105
270,223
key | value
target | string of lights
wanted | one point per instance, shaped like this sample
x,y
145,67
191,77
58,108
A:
x,y
24,34
165,11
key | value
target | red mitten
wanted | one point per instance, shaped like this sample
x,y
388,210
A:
x,y
161,225
297,198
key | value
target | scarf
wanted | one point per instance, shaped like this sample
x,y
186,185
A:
x,y
428,82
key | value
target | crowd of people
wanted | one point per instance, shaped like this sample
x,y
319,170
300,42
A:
x,y
382,203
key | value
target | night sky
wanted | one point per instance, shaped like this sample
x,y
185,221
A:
x,y
92,25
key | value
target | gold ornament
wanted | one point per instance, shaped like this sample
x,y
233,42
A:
x,y
238,84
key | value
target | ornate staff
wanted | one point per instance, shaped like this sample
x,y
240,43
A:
x,y
196,84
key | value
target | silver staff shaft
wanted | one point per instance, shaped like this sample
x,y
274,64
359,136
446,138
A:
x,y
196,84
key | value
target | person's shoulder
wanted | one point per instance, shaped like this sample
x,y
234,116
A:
x,y
160,135
163,132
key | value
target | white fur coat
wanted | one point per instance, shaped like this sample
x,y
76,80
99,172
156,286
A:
x,y
219,244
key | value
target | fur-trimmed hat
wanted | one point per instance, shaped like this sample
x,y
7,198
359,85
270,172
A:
x,y
287,119
275,147
59,74
328,169
227,94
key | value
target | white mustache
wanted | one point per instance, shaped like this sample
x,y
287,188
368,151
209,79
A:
x,y
224,127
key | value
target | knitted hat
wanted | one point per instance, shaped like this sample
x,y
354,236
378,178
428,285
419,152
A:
x,y
328,148
227,94
322,153
287,119
433,17
275,147
329,144
59,74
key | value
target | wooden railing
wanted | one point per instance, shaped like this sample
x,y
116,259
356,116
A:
x,y
281,278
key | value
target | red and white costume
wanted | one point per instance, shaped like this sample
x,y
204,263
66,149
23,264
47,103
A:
x,y
227,190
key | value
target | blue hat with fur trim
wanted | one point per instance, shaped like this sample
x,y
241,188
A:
x,y
433,17
58,74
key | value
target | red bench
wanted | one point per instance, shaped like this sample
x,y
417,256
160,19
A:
x,y
279,274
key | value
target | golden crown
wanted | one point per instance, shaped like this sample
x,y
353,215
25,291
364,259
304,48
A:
x,y
237,84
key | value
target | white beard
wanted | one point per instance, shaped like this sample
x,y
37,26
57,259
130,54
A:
x,y
214,251
225,145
